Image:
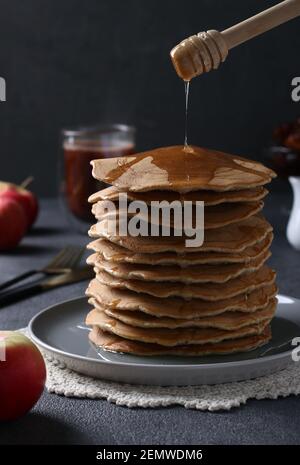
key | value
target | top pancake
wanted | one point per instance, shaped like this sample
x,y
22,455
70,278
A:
x,y
208,197
174,169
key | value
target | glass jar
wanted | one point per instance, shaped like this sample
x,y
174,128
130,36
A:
x,y
80,146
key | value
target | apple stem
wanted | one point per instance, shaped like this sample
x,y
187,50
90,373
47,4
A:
x,y
27,182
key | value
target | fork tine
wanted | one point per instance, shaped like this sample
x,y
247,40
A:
x,y
55,262
67,258
77,253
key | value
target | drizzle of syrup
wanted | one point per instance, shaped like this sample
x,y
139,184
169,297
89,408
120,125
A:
x,y
186,147
187,91
173,168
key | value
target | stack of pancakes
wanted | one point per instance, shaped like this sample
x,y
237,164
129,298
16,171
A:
x,y
154,295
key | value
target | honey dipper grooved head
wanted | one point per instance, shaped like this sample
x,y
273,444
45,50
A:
x,y
199,54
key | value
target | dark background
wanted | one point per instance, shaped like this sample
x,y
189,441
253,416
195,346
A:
x,y
70,62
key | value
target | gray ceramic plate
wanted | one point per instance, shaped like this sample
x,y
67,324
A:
x,y
60,331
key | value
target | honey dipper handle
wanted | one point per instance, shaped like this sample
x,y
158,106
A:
x,y
262,22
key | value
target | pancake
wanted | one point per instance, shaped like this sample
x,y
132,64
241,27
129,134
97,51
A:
x,y
215,216
232,238
113,343
175,307
115,253
179,170
227,320
208,197
170,337
188,275
206,291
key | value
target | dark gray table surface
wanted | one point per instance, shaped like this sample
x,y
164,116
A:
x,y
60,420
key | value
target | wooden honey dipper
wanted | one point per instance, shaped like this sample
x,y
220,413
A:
x,y
206,50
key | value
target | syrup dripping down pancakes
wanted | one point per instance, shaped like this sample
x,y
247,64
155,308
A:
x,y
156,296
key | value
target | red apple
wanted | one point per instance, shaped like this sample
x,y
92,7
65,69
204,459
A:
x,y
22,375
24,197
13,223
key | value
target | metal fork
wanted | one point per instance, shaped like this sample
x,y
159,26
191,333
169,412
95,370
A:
x,y
66,260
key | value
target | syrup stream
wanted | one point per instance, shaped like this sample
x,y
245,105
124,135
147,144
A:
x,y
187,90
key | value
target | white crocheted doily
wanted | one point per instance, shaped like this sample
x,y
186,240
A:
x,y
61,380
